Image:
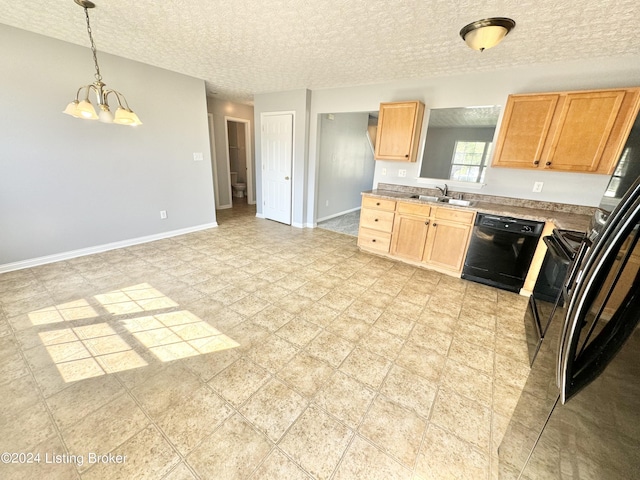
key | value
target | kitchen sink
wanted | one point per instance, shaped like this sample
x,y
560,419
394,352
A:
x,y
429,198
455,201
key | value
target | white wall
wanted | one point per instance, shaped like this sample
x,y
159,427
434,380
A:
x,y
298,102
346,163
220,109
489,88
69,184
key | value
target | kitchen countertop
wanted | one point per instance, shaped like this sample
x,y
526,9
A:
x,y
564,220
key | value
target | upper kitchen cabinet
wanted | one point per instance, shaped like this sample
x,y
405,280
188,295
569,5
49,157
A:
x,y
398,135
566,131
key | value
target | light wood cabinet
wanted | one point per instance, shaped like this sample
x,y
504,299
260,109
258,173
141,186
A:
x,y
566,131
399,127
421,234
410,231
376,224
448,238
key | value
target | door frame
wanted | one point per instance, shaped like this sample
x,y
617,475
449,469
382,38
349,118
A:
x,y
248,152
216,180
263,115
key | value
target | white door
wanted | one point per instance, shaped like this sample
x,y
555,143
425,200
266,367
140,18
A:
x,y
277,155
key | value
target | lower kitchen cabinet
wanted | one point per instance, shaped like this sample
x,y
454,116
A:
x,y
434,237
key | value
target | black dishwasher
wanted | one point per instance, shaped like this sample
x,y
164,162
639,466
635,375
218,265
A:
x,y
500,251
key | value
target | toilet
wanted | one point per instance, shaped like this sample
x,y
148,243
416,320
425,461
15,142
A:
x,y
238,188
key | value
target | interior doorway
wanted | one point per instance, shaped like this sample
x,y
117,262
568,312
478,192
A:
x,y
239,160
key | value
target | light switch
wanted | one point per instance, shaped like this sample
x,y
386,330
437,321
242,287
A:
x,y
198,156
537,187
402,172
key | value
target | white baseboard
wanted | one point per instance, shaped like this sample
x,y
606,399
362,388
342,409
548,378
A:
x,y
57,257
224,207
311,225
259,215
297,225
329,217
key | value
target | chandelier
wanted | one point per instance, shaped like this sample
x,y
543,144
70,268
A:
x,y
84,108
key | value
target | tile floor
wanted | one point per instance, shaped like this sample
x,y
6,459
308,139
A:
x,y
254,350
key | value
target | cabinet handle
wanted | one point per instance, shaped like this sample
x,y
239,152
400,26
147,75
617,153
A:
x,y
435,224
374,240
377,204
548,163
536,162
427,222
406,156
375,219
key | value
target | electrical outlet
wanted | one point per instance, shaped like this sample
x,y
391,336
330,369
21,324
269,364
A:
x,y
383,172
402,172
163,214
537,187
198,156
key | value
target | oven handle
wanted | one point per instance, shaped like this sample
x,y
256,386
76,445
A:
x,y
556,250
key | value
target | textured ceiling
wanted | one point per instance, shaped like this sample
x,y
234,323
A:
x,y
464,117
243,47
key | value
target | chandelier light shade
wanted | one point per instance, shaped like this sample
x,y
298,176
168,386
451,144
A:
x,y
486,33
82,107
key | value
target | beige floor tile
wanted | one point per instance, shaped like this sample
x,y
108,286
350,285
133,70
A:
x,y
239,381
274,408
511,371
405,309
376,298
298,332
468,382
395,324
272,318
505,398
316,442
515,349
249,305
395,429
313,290
273,353
363,460
473,356
208,365
277,466
485,319
363,311
444,305
247,334
330,348
427,338
318,314
476,335
388,286
272,292
349,328
463,417
444,456
106,428
190,421
21,432
18,395
424,362
232,452
438,320
366,367
345,398
305,373
148,455
180,472
294,303
80,399
409,390
382,343
336,300
12,366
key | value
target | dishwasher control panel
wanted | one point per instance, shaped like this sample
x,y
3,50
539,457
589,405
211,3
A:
x,y
510,224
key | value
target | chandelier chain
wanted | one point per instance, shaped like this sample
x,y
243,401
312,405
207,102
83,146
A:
x,y
93,47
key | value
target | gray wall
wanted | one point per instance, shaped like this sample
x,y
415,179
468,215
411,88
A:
x,y
346,163
298,102
219,109
440,144
68,184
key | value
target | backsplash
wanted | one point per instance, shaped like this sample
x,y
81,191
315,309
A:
x,y
515,202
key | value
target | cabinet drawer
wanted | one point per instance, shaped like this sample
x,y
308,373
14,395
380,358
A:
x,y
454,215
414,209
376,219
379,203
374,240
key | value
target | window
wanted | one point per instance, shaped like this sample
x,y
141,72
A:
x,y
469,161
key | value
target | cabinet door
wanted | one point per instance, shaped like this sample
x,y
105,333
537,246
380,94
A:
x,y
409,236
524,129
584,125
447,244
398,133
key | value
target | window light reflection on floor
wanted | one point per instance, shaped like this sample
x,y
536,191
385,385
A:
x,y
90,350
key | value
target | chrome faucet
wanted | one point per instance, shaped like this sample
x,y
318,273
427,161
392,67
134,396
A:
x,y
444,190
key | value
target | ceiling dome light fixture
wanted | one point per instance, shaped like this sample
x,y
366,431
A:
x,y
486,33
84,108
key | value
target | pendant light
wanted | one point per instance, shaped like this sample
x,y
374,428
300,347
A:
x,y
486,33
83,108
